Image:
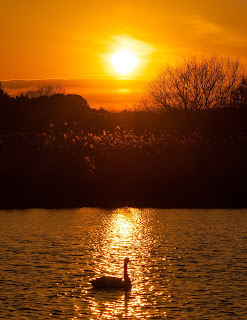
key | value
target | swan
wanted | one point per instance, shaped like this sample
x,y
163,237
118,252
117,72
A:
x,y
107,282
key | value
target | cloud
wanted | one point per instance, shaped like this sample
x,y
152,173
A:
x,y
204,27
141,48
226,36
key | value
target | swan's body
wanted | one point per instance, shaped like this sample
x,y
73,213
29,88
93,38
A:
x,y
107,282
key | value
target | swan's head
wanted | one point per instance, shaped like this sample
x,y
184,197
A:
x,y
126,260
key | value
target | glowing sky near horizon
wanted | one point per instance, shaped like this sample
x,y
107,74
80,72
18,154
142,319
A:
x,y
75,39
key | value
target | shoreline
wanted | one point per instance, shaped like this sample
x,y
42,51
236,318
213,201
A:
x,y
121,204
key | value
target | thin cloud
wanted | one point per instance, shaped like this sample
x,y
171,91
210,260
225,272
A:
x,y
203,26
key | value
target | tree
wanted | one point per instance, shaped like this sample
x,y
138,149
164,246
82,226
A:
x,y
195,83
239,96
2,92
1,89
4,97
42,91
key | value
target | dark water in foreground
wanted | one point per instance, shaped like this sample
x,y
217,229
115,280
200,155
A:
x,y
186,264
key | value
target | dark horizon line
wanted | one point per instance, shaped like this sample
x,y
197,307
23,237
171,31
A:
x,y
86,77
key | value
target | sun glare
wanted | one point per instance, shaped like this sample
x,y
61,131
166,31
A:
x,y
124,61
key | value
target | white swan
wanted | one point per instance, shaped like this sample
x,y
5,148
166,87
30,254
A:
x,y
107,282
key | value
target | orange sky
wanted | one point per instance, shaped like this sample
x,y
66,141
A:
x,y
75,38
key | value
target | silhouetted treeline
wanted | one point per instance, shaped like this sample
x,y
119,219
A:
x,y
40,112
58,152
60,110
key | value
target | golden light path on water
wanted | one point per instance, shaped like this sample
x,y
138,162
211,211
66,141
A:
x,y
125,234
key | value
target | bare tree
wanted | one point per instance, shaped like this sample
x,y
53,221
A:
x,y
45,90
195,83
239,96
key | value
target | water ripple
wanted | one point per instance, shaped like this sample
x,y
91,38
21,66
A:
x,y
185,264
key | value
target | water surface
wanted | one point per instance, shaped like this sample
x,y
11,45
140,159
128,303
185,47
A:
x,y
186,264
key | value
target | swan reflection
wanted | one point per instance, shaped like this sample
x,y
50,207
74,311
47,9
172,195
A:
x,y
114,304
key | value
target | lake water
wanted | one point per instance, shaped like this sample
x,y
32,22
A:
x,y
185,264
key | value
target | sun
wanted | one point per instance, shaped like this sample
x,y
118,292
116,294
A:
x,y
124,61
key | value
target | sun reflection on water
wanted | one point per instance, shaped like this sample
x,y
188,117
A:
x,y
123,227
125,233
121,237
